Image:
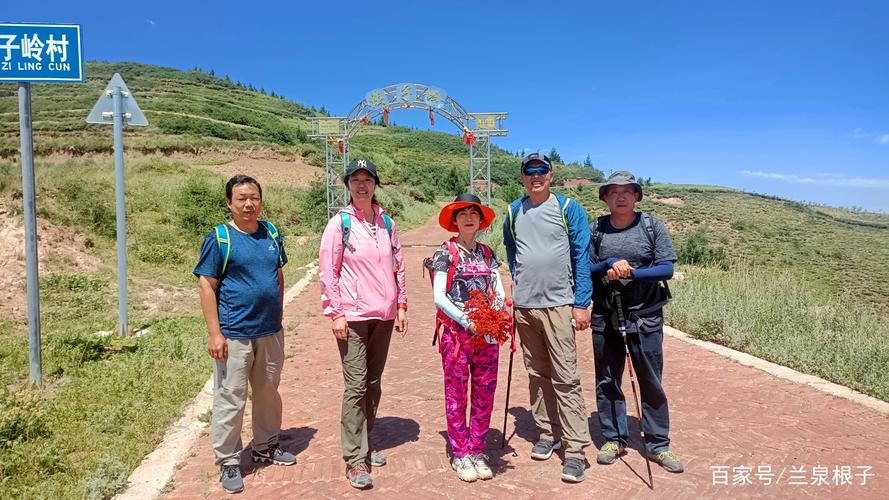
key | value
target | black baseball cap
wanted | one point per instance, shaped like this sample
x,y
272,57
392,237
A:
x,y
536,160
356,165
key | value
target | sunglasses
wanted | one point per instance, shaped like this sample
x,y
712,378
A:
x,y
535,170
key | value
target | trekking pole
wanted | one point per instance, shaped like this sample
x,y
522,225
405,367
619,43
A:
x,y
623,333
508,379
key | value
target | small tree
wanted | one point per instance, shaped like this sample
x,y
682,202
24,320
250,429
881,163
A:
x,y
588,162
554,156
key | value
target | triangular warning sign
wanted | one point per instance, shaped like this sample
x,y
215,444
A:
x,y
103,111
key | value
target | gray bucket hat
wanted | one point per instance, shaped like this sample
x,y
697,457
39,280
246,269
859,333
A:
x,y
620,178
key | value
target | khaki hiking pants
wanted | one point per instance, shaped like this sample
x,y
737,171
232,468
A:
x,y
257,362
550,356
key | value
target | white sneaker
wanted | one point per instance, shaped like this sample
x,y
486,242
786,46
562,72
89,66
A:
x,y
482,469
465,470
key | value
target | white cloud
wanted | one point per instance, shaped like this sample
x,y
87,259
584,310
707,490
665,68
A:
x,y
824,179
878,138
151,22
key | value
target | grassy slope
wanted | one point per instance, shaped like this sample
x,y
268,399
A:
x,y
783,282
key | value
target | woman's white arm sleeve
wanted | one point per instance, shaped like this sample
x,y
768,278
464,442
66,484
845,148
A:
x,y
439,283
498,286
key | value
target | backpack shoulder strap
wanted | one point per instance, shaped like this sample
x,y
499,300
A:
x,y
598,233
455,258
347,227
487,253
273,234
648,226
224,242
388,221
514,208
564,201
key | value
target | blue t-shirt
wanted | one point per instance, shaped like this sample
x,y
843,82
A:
x,y
249,295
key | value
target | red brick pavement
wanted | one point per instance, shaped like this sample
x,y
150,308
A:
x,y
723,414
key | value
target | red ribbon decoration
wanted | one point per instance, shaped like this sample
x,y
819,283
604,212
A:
x,y
468,137
431,117
386,116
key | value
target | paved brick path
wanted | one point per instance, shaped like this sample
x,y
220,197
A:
x,y
723,414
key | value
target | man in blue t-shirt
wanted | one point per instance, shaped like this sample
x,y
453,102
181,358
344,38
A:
x,y
632,256
242,293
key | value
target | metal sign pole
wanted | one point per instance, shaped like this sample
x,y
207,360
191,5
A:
x,y
30,207
122,326
118,107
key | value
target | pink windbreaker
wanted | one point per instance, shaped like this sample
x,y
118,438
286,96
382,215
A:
x,y
361,284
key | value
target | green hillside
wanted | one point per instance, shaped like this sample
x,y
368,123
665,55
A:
x,y
800,285
194,112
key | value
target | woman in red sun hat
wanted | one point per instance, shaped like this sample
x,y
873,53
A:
x,y
462,266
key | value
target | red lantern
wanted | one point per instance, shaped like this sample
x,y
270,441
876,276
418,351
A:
x,y
468,138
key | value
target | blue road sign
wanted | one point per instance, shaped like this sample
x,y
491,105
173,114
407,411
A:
x,y
41,53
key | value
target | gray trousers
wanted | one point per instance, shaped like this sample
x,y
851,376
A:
x,y
257,362
363,357
550,355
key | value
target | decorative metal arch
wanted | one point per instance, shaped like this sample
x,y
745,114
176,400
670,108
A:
x,y
477,129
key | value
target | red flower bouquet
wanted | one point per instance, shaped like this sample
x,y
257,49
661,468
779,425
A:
x,y
491,317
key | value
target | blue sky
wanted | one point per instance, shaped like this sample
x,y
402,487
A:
x,y
788,98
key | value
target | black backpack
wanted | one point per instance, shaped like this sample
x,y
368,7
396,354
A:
x,y
648,228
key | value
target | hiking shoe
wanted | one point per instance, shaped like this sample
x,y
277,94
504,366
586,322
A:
x,y
465,469
231,479
359,476
609,452
482,469
572,471
543,449
274,455
668,460
377,459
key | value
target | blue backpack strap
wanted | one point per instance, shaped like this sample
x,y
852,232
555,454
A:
x,y
223,240
347,227
388,221
513,213
273,234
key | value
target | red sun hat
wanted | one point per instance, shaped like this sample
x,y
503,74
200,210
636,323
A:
x,y
446,216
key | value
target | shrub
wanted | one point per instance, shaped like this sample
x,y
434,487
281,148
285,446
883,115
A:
x,y
200,203
695,249
23,417
509,192
106,479
92,203
312,207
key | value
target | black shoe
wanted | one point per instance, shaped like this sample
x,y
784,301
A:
x,y
274,455
231,479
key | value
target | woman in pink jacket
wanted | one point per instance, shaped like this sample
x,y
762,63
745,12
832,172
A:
x,y
363,293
